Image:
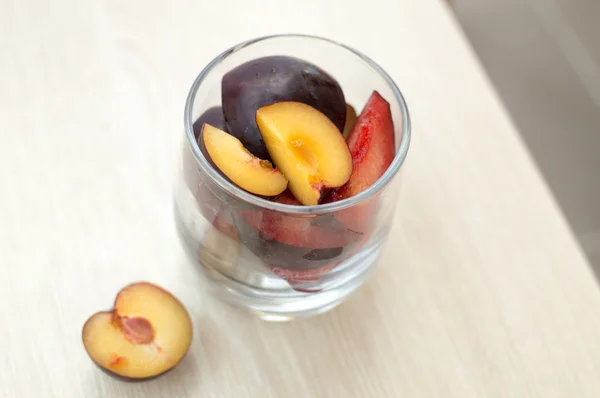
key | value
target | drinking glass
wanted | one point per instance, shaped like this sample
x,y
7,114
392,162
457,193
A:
x,y
276,260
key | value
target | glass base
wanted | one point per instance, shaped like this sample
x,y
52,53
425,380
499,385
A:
x,y
272,298
236,276
287,304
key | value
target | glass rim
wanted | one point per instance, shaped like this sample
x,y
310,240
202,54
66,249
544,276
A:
x,y
326,208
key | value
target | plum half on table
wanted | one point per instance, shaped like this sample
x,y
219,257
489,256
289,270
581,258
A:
x,y
146,333
284,123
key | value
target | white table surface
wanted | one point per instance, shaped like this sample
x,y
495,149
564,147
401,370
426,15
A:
x,y
483,293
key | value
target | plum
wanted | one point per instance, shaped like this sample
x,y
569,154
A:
x,y
265,81
307,147
285,256
146,333
212,116
322,232
240,166
298,243
371,143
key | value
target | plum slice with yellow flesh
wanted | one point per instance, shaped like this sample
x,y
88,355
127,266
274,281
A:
x,y
307,147
191,174
240,166
146,334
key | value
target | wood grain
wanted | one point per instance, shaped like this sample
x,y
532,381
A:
x,y
482,291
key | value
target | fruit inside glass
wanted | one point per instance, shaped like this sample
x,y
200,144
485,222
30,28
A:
x,y
288,180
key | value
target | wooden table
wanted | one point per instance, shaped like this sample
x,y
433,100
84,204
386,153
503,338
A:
x,y
482,292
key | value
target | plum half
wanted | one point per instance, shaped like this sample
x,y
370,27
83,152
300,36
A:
x,y
267,80
307,147
146,334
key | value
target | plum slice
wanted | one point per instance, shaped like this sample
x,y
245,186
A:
x,y
214,117
282,255
303,232
244,169
371,144
307,147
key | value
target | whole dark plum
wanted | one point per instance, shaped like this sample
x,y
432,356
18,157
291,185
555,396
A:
x,y
268,80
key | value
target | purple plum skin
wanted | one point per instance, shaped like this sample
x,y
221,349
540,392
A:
x,y
265,81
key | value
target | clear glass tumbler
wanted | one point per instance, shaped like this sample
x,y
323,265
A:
x,y
277,260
